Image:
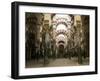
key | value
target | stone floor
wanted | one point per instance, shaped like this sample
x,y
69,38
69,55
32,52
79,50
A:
x,y
56,62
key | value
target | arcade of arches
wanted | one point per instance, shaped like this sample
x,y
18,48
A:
x,y
51,37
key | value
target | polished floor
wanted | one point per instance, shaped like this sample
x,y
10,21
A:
x,y
56,62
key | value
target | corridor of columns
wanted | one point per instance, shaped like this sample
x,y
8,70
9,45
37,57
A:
x,y
56,40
